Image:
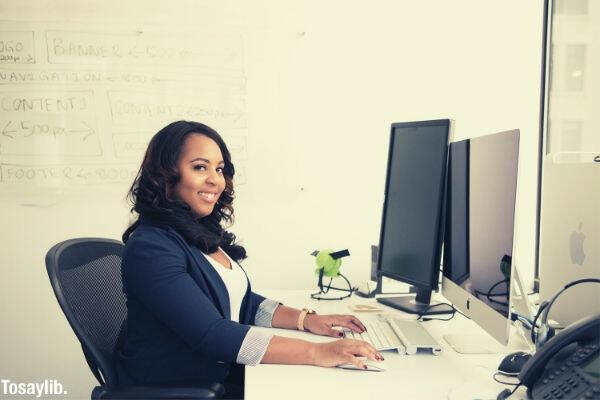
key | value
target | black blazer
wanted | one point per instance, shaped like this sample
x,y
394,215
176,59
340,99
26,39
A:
x,y
178,328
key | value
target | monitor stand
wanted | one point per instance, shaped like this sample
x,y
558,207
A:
x,y
416,304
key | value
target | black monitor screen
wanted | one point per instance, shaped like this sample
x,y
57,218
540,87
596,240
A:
x,y
410,238
456,246
482,186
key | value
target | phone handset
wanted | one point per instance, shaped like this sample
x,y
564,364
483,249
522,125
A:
x,y
586,329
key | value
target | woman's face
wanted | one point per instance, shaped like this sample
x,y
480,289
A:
x,y
200,168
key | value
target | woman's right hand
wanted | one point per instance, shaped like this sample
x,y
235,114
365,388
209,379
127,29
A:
x,y
344,351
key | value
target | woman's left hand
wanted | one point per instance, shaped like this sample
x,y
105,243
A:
x,y
323,324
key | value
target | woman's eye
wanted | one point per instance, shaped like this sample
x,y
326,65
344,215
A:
x,y
199,167
220,170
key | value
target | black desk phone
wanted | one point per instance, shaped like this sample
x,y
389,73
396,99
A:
x,y
568,365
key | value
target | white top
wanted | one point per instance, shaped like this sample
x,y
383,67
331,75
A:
x,y
235,281
255,343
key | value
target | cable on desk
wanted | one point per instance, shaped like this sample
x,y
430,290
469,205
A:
x,y
464,315
427,319
489,293
527,323
506,374
506,393
429,307
455,310
523,335
534,323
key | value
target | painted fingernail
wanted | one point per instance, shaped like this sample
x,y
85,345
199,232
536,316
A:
x,y
364,367
340,334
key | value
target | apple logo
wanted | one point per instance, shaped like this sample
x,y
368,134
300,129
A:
x,y
576,246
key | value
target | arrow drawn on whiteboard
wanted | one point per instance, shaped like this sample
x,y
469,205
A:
x,y
135,52
6,133
236,115
89,131
158,80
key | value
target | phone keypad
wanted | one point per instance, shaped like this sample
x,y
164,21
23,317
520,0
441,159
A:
x,y
567,381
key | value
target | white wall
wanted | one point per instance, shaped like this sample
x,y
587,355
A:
x,y
322,83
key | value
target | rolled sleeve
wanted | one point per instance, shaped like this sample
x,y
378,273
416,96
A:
x,y
254,347
264,313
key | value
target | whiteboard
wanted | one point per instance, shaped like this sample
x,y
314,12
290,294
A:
x,y
79,103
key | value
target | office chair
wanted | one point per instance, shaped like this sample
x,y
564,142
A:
x,y
85,274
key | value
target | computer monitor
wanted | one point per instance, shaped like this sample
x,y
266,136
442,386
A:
x,y
569,193
479,229
411,233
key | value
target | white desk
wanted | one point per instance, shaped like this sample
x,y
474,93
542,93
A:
x,y
421,376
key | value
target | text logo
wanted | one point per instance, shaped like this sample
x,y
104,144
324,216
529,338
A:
x,y
38,389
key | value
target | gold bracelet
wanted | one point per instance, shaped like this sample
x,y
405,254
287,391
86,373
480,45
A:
x,y
300,323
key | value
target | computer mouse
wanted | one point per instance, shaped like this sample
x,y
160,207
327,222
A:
x,y
370,367
513,363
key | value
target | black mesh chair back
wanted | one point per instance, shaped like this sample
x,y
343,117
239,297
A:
x,y
85,274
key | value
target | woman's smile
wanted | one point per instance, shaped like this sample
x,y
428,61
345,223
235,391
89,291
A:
x,y
208,196
201,179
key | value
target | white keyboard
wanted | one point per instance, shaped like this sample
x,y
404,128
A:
x,y
388,333
380,334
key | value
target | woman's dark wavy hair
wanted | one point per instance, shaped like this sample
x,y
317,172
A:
x,y
152,192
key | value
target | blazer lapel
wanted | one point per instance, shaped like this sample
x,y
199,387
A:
x,y
211,278
214,280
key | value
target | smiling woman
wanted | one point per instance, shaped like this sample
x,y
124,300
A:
x,y
201,179
166,189
190,308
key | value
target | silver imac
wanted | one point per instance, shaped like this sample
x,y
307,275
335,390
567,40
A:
x,y
479,232
569,209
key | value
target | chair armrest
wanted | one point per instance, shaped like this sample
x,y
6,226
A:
x,y
215,391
